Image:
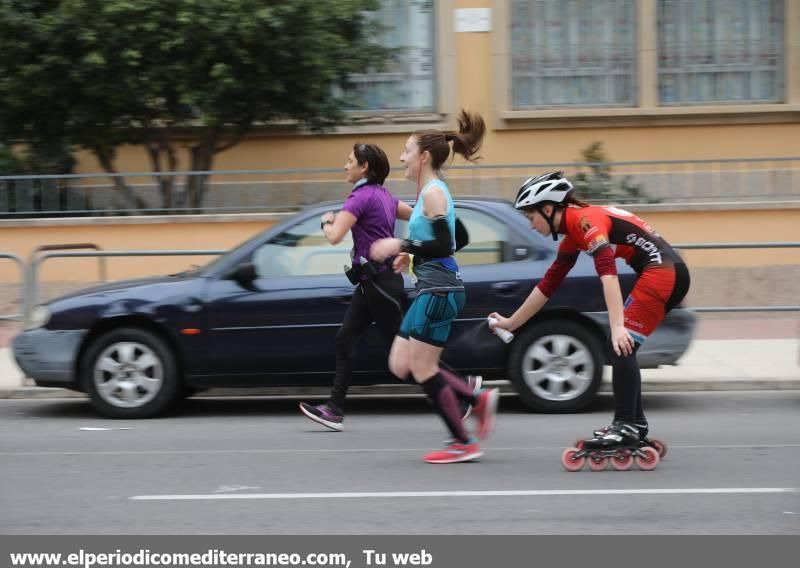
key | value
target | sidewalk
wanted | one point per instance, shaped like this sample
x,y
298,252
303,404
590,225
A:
x,y
730,362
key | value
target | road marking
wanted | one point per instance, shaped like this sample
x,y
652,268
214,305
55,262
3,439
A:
x,y
361,450
489,493
231,488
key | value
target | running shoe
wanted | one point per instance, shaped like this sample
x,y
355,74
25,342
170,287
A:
x,y
456,452
485,411
323,414
474,382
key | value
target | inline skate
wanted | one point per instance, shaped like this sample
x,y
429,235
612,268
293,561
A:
x,y
621,444
658,445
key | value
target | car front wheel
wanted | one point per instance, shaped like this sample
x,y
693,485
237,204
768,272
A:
x,y
556,366
130,373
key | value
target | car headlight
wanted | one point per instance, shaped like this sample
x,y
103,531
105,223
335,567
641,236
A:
x,y
40,316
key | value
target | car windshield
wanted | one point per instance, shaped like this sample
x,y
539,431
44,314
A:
x,y
216,261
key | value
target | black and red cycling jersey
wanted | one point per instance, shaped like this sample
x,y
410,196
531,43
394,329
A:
x,y
594,230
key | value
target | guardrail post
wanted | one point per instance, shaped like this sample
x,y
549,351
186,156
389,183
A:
x,y
21,264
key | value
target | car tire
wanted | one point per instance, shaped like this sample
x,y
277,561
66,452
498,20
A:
x,y
130,373
556,366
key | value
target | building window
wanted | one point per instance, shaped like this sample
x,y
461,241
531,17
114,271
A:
x,y
407,83
573,53
720,51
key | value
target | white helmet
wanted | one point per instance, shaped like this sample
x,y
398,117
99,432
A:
x,y
546,188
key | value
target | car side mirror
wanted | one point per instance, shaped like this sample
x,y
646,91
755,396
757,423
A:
x,y
244,273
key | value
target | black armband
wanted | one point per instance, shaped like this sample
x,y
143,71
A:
x,y
462,236
441,246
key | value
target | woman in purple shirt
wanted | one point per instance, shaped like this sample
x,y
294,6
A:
x,y
369,213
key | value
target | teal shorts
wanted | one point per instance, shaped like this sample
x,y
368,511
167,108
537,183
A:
x,y
430,317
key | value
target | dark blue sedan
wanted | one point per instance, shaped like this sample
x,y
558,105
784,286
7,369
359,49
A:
x,y
266,312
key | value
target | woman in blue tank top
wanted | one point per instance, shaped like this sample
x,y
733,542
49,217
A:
x,y
418,346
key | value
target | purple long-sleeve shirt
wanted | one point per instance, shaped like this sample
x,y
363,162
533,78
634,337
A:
x,y
375,210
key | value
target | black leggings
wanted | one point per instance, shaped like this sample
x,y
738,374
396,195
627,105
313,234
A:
x,y
626,375
380,300
627,381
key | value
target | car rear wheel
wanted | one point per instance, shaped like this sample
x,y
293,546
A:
x,y
130,373
556,366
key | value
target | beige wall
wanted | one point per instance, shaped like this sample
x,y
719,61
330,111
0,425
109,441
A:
x,y
123,234
519,147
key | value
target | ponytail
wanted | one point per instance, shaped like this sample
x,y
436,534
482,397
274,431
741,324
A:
x,y
467,141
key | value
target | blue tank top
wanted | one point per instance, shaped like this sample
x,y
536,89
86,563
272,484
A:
x,y
420,227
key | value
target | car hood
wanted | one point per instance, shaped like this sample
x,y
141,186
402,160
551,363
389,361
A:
x,y
122,285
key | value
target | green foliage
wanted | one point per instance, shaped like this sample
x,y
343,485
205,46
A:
x,y
10,164
170,73
36,160
597,184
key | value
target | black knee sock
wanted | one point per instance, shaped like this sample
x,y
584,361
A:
x,y
444,400
627,381
459,385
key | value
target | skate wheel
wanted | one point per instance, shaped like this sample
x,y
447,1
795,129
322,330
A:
x,y
660,447
622,461
648,460
570,462
597,463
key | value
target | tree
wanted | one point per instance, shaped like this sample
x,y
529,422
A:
x,y
598,185
173,74
10,163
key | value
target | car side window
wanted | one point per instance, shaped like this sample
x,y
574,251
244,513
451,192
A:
x,y
301,250
487,237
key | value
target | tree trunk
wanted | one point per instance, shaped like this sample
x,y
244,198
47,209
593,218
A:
x,y
106,159
202,161
203,158
166,184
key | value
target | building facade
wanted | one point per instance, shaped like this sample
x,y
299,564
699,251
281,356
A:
x,y
650,79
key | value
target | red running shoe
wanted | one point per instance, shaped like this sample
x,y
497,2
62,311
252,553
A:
x,y
456,452
485,411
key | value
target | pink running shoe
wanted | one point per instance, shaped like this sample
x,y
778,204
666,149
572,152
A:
x,y
485,411
456,452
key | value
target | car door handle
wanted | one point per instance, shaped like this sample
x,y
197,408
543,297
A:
x,y
505,288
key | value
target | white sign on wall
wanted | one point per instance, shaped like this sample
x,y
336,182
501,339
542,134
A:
x,y
473,19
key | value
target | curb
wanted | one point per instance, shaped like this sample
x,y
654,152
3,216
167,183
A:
x,y
652,386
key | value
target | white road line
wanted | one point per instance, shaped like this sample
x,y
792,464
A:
x,y
361,450
490,493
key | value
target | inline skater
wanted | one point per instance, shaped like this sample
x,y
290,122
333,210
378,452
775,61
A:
x,y
606,233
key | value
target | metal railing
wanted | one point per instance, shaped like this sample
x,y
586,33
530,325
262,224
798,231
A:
x,y
21,264
240,191
723,246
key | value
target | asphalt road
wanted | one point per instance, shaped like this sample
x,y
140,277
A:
x,y
255,466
